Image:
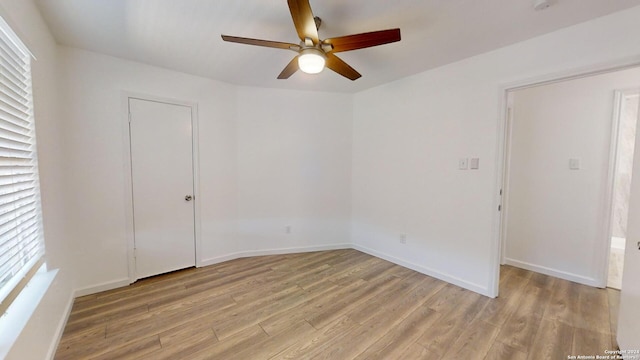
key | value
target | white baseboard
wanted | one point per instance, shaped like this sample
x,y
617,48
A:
x,y
281,251
482,290
553,272
57,336
101,287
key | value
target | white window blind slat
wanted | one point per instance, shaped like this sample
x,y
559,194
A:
x,y
8,151
17,195
27,220
15,141
11,65
10,248
21,243
13,136
6,208
15,257
18,74
17,120
17,203
22,207
7,227
8,146
8,126
8,236
14,104
9,172
14,178
15,75
18,115
16,94
15,144
13,80
11,53
17,87
16,188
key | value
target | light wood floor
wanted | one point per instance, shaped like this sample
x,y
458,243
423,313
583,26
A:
x,y
337,305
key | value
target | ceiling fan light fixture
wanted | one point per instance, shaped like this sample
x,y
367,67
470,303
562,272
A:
x,y
313,54
311,61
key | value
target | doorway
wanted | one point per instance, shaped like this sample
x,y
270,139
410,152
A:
x,y
626,116
161,136
558,175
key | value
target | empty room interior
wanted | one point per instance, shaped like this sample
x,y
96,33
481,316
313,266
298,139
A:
x,y
319,179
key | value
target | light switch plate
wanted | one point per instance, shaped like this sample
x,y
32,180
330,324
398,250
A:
x,y
463,163
474,164
574,164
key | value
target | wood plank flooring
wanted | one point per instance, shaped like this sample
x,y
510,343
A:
x,y
339,304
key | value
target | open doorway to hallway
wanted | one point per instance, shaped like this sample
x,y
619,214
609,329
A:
x,y
560,158
566,189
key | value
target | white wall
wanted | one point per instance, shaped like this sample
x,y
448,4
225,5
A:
x,y
557,217
409,135
39,335
93,87
294,169
263,165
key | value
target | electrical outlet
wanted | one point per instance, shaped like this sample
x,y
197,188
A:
x,y
403,238
287,229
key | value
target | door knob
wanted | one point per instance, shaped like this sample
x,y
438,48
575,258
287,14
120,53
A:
x,y
188,197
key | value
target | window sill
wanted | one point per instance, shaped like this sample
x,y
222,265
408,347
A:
x,y
20,311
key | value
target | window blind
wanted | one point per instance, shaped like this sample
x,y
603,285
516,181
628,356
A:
x,y
21,244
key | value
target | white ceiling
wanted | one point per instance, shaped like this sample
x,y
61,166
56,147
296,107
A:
x,y
184,35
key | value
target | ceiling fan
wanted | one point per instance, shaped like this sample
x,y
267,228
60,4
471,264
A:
x,y
314,54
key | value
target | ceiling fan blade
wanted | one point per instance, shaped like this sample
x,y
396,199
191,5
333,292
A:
x,y
364,40
290,69
258,42
338,65
303,20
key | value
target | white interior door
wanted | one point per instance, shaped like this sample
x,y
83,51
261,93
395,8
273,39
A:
x,y
162,176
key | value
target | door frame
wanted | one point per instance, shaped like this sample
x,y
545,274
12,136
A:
x,y
504,190
502,155
128,180
618,105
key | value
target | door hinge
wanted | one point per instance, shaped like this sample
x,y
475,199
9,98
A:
x,y
500,192
499,207
135,253
129,117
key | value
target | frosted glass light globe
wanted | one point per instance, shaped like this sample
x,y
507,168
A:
x,y
311,61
